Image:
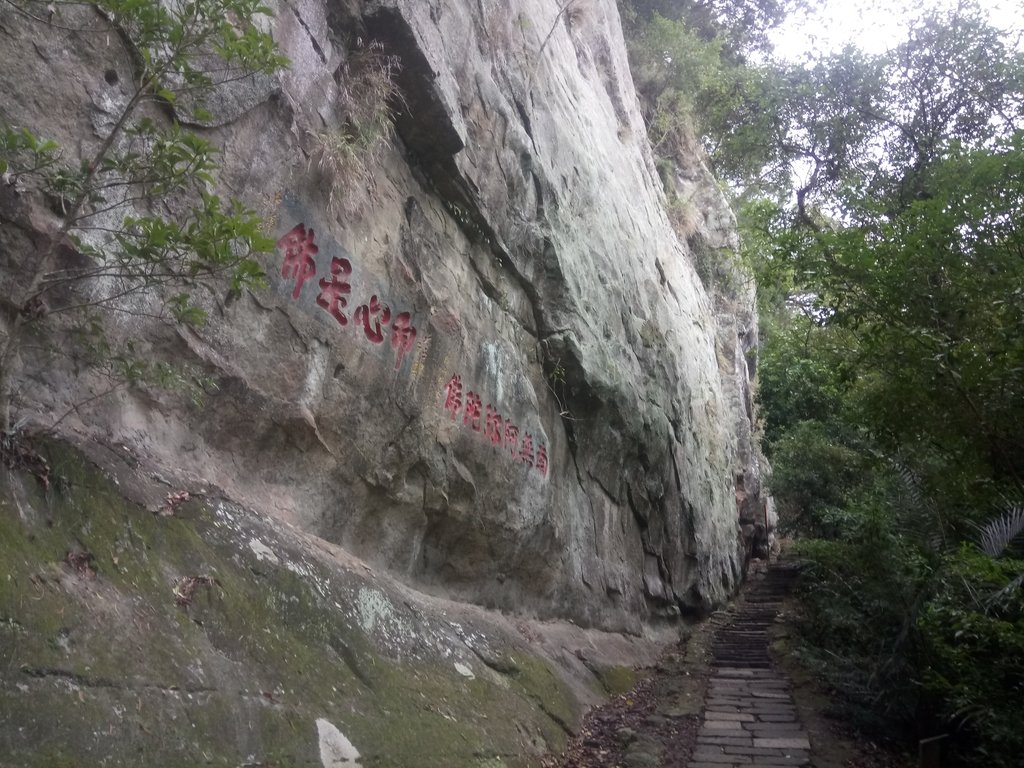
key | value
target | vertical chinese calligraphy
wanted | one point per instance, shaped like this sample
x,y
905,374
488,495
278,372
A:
x,y
502,433
333,290
299,248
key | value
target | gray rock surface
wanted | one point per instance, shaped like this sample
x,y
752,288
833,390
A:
x,y
141,627
516,222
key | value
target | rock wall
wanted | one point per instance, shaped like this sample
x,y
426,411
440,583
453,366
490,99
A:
x,y
714,249
520,404
485,375
137,629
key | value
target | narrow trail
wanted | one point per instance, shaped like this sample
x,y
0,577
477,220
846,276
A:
x,y
750,718
721,699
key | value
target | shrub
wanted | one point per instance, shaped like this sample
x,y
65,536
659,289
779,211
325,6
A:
x,y
973,656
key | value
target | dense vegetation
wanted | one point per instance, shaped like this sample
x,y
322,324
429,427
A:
x,y
882,208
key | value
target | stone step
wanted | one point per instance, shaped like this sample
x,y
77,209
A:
x,y
750,720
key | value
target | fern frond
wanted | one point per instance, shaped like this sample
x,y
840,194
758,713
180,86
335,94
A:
x,y
995,536
924,521
911,483
1004,594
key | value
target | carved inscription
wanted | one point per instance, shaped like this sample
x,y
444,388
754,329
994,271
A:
x,y
374,317
379,323
299,250
493,427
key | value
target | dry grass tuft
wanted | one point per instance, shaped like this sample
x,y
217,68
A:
x,y
369,94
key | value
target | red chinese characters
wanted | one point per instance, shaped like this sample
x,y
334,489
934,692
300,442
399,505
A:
x,y
403,337
498,431
299,249
494,427
375,313
541,465
472,416
526,452
453,397
334,289
511,437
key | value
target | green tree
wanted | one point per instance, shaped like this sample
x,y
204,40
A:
x,y
742,25
930,303
892,264
139,208
697,95
860,128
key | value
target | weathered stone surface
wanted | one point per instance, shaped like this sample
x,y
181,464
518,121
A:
x,y
517,218
519,221
211,634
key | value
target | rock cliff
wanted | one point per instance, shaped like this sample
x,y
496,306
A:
x,y
525,399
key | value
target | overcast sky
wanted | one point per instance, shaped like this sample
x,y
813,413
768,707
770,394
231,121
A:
x,y
872,25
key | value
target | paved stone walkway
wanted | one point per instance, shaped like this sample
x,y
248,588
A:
x,y
749,717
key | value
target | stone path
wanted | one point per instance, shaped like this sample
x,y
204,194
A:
x,y
749,717
719,700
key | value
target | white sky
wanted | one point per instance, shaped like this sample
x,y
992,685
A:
x,y
873,26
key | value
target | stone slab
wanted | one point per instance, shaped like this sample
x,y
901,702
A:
x,y
754,751
783,743
714,714
722,725
783,729
725,741
783,762
703,756
746,673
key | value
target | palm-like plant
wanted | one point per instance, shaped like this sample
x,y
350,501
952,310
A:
x,y
996,535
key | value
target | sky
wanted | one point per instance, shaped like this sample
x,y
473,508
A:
x,y
874,26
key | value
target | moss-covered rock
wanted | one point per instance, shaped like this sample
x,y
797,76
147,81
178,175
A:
x,y
211,636
617,679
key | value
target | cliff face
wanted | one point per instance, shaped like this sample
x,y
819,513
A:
x,y
525,400
540,422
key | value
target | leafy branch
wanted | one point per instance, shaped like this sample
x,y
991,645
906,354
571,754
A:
x,y
106,202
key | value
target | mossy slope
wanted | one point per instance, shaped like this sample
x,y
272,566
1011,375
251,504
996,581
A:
x,y
213,637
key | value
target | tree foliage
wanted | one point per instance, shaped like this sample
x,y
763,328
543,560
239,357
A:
x,y
892,370
742,26
139,209
697,86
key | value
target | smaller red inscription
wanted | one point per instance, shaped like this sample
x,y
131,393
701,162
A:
x,y
299,249
472,415
334,290
494,426
541,465
365,315
526,453
511,437
453,400
403,337
500,432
